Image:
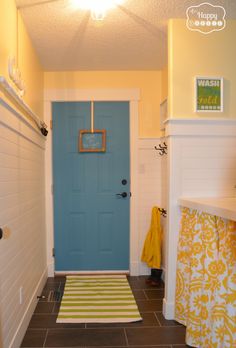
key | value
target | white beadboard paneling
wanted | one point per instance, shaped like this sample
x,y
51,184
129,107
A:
x,y
209,162
23,254
10,174
208,166
8,147
8,117
9,202
149,189
8,188
201,163
201,127
7,161
12,119
164,202
208,173
7,134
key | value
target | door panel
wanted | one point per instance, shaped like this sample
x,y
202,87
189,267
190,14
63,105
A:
x,y
91,223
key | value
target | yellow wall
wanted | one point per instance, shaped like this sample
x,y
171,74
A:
x,y
7,33
194,54
28,62
164,83
149,83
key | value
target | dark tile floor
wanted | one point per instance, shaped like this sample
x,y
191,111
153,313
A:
x,y
153,332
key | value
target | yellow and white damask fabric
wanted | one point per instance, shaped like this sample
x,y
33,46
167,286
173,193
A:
x,y
206,280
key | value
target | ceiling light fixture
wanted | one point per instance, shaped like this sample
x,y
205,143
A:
x,y
98,8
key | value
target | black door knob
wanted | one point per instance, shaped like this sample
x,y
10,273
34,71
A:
x,y
123,194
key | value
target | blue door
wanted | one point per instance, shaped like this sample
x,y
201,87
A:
x,y
91,222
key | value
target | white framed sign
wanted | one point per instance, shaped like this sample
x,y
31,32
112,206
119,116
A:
x,y
208,94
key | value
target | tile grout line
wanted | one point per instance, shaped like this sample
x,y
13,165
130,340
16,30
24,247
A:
x,y
157,319
52,312
61,286
126,338
97,328
46,336
145,294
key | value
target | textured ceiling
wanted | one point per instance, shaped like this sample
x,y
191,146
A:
x,y
131,37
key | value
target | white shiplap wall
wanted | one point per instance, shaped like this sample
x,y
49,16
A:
x,y
150,191
208,166
201,163
23,253
164,202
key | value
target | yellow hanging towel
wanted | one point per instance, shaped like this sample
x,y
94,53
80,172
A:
x,y
152,246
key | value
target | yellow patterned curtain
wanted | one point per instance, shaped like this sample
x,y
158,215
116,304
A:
x,y
206,280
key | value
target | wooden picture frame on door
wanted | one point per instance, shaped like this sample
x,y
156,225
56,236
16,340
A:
x,y
92,141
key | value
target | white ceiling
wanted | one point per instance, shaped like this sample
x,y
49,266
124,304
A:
x,y
131,37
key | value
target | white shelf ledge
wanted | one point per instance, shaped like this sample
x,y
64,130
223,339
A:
x,y
12,93
224,207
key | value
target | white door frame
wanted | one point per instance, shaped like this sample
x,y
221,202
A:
x,y
130,95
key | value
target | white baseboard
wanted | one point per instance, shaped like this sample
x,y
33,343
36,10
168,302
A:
x,y
91,272
163,274
134,268
143,269
51,269
23,325
168,310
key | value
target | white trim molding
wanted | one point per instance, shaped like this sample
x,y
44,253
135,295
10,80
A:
x,y
131,95
99,94
149,190
200,127
24,323
8,89
92,272
19,124
168,309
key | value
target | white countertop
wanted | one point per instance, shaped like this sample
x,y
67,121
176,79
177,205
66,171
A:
x,y
219,206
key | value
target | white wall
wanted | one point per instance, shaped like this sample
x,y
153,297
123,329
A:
x,y
164,202
150,190
23,253
201,163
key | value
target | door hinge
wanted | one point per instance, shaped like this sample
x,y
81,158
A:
x,y
52,189
51,124
53,252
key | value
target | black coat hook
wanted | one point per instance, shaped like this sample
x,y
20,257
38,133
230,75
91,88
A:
x,y
162,149
163,212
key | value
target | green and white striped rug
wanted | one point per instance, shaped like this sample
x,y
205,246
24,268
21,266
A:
x,y
98,299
